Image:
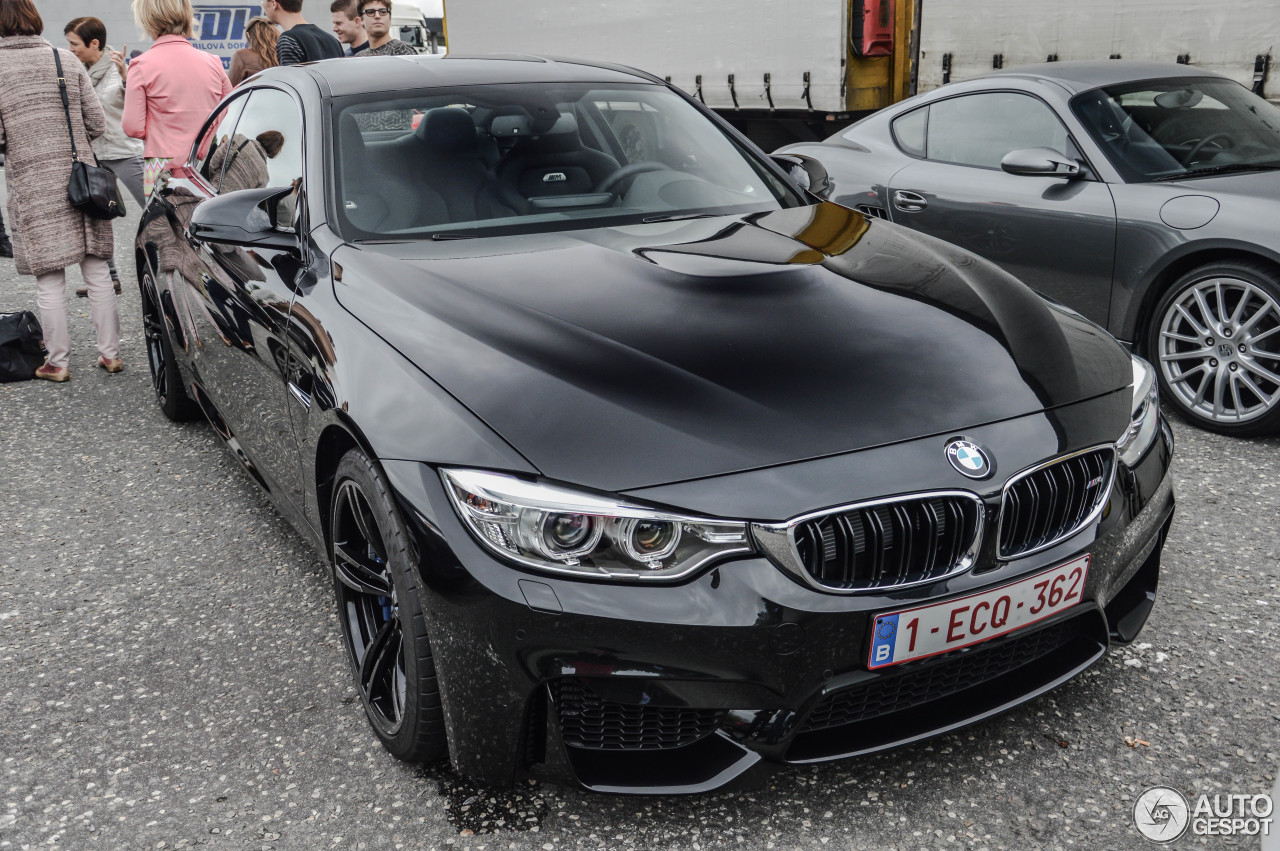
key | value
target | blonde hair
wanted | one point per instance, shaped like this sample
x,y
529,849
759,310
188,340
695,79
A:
x,y
262,36
165,17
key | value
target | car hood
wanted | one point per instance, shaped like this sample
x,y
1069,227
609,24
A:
x,y
619,358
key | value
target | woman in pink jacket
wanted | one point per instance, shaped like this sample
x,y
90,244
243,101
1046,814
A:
x,y
170,89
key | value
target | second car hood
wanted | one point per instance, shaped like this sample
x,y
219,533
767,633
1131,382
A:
x,y
625,357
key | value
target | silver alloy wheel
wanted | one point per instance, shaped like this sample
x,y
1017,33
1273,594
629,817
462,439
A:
x,y
1219,350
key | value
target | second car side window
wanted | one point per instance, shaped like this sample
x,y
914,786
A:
x,y
266,149
208,161
980,129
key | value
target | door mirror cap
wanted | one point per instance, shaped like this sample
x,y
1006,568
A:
x,y
806,172
246,217
1040,161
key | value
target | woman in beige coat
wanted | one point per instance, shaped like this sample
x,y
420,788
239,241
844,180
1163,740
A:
x,y
48,233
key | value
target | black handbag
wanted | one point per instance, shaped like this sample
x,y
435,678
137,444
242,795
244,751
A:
x,y
21,346
92,189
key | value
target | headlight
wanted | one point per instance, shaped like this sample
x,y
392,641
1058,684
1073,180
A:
x,y
563,531
1144,423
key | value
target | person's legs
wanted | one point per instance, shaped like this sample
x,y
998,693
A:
x,y
102,306
82,292
151,168
52,300
6,247
129,173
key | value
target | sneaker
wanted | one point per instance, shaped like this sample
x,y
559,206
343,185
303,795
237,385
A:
x,y
6,248
49,372
110,365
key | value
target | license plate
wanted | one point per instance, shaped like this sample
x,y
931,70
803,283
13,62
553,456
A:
x,y
909,634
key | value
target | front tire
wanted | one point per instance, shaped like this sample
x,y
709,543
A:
x,y
166,380
380,612
1215,341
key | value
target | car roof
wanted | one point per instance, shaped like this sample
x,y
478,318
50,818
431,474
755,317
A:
x,y
1084,75
357,75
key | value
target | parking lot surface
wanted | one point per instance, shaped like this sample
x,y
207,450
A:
x,y
171,672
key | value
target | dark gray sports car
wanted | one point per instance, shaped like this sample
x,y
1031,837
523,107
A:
x,y
1143,195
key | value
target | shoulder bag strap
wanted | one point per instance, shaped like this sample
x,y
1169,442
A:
x,y
66,105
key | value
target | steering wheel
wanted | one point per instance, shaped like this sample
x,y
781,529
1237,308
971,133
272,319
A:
x,y
1198,146
628,171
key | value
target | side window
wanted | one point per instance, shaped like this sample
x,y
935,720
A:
x,y
909,131
980,129
215,136
266,149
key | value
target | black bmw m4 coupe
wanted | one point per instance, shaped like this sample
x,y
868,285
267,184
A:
x,y
638,465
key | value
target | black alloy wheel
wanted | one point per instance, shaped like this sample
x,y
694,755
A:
x,y
381,614
1215,342
166,380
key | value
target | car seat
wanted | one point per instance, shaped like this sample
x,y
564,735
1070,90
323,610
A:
x,y
555,163
375,197
453,165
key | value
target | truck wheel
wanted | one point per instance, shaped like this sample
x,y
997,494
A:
x,y
381,614
1215,339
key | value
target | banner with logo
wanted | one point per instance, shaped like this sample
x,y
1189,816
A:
x,y
220,28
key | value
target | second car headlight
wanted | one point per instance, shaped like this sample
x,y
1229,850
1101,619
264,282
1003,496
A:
x,y
559,530
1144,423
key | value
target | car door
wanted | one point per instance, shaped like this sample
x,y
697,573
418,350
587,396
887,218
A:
x,y
244,295
1056,235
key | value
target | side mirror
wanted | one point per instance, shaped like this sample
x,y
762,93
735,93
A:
x,y
1040,161
246,217
806,172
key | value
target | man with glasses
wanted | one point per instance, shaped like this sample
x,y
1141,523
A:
x,y
376,15
300,41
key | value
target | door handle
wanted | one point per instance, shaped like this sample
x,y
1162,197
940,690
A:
x,y
908,201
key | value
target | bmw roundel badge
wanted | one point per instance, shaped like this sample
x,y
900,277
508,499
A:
x,y
969,459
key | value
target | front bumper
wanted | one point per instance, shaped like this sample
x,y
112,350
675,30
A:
x,y
693,687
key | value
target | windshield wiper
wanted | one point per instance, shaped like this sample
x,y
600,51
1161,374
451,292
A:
x,y
442,236
676,217
1219,169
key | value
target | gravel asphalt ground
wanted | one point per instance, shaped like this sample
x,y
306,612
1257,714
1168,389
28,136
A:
x,y
171,673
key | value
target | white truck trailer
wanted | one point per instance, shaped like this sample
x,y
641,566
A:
x,y
780,68
798,67
961,39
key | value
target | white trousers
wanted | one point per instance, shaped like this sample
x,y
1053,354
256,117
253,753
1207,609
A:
x,y
51,298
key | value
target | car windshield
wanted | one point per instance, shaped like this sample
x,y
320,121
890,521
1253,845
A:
x,y
498,159
1170,129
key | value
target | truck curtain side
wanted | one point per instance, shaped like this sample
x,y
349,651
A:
x,y
961,40
785,65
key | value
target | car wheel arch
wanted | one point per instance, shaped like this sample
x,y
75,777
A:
x,y
334,442
1174,267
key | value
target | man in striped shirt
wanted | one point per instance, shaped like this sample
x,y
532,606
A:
x,y
300,41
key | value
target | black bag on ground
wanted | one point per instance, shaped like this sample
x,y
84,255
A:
x,y
91,189
21,346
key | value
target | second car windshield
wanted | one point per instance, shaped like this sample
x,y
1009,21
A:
x,y
481,160
1166,129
